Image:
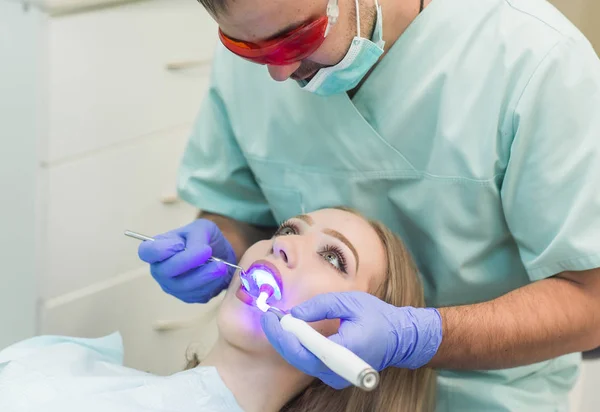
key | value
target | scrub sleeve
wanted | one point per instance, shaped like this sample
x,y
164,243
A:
x,y
551,190
214,175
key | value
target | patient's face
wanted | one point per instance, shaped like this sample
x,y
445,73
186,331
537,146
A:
x,y
325,251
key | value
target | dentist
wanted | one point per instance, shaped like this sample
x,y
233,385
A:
x,y
470,127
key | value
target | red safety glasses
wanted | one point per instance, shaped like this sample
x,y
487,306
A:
x,y
288,48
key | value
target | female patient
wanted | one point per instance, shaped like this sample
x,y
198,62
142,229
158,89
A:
x,y
315,253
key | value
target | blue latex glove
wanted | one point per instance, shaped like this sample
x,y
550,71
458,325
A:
x,y
178,261
381,334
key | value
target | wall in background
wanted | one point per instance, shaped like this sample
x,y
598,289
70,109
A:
x,y
20,82
585,14
593,24
95,111
573,9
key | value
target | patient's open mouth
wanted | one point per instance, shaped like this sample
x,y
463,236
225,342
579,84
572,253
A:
x,y
262,275
244,296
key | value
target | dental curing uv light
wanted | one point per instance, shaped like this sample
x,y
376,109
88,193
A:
x,y
339,359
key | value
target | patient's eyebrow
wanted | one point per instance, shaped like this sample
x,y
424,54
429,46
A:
x,y
307,219
344,240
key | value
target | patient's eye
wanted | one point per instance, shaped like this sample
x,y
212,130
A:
x,y
335,257
287,228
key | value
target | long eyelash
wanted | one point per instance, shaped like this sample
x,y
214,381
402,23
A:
x,y
328,248
340,255
287,224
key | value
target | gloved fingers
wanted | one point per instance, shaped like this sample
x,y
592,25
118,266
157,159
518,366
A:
x,y
334,380
366,347
337,338
160,249
182,262
201,232
289,347
356,341
223,250
202,226
326,306
205,231
214,270
203,295
194,281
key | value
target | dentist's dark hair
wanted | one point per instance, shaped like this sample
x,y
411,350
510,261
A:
x,y
214,7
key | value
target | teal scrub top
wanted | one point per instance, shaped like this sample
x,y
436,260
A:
x,y
476,139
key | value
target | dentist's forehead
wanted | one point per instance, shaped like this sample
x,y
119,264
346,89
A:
x,y
253,20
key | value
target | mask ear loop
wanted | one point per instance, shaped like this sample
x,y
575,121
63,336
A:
x,y
358,18
333,12
358,15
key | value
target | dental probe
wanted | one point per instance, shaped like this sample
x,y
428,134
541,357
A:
x,y
139,236
339,359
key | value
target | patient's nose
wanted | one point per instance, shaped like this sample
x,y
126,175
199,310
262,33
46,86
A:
x,y
283,255
284,249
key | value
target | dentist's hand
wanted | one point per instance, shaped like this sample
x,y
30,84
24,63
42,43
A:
x,y
381,334
178,261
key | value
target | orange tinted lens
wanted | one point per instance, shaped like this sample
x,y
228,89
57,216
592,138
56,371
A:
x,y
289,48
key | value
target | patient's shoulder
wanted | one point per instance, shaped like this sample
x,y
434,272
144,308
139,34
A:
x,y
65,349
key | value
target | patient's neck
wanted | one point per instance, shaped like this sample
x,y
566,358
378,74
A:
x,y
259,382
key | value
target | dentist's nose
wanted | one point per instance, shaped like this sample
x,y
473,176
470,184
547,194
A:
x,y
281,73
285,249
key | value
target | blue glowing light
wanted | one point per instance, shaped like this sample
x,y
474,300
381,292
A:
x,y
264,277
257,277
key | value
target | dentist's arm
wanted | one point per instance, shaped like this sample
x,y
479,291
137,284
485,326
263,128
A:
x,y
537,322
546,319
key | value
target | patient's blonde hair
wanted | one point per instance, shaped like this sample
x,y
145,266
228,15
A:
x,y
399,390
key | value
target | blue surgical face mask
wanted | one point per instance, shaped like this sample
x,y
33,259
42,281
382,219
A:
x,y
360,58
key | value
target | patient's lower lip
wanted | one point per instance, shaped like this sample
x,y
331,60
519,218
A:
x,y
247,298
244,296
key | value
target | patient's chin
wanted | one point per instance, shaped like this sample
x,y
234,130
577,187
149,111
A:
x,y
239,325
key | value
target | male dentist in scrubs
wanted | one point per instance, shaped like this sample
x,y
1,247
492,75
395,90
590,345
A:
x,y
470,127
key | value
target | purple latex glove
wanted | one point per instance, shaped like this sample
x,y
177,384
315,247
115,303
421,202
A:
x,y
381,334
178,261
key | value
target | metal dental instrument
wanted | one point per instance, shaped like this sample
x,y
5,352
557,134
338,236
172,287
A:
x,y
139,236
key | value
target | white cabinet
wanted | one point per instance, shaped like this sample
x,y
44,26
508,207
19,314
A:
x,y
91,200
107,77
92,127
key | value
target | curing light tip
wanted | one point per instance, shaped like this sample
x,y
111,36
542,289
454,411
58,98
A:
x,y
261,301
